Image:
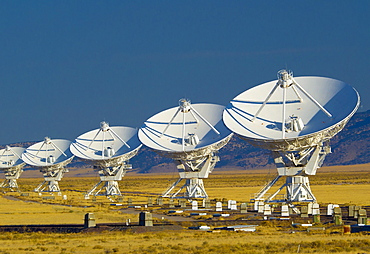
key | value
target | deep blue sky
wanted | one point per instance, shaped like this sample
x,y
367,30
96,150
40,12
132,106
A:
x,y
67,65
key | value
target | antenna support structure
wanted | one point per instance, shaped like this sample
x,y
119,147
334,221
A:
x,y
192,172
295,122
191,169
10,158
296,167
11,177
51,171
50,157
52,176
191,135
110,172
108,149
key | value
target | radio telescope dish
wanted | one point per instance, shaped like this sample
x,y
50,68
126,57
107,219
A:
x,y
190,134
294,118
50,157
108,149
11,164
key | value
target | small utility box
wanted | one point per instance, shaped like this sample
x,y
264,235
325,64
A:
x,y
90,220
243,208
194,205
150,201
304,212
356,211
267,210
218,207
145,219
129,201
285,211
206,203
233,205
315,209
337,212
172,203
362,216
160,201
351,211
182,203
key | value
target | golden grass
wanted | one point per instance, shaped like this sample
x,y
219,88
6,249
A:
x,y
343,194
343,185
32,213
183,242
349,184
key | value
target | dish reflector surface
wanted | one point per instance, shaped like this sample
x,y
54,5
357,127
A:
x,y
181,130
11,157
47,153
305,123
106,143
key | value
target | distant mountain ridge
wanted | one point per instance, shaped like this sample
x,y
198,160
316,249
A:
x,y
349,147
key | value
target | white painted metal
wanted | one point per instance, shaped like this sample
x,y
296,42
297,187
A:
x,y
218,206
168,130
108,149
190,134
267,210
50,157
285,211
259,120
295,120
12,165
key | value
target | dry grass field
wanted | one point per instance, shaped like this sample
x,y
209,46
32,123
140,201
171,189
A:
x,y
342,185
183,242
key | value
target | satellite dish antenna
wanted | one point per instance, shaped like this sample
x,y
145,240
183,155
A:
x,y
294,118
50,157
11,164
190,134
108,149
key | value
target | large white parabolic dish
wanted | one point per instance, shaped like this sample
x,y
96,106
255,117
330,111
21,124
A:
x,y
48,153
108,149
264,129
110,144
11,157
169,132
